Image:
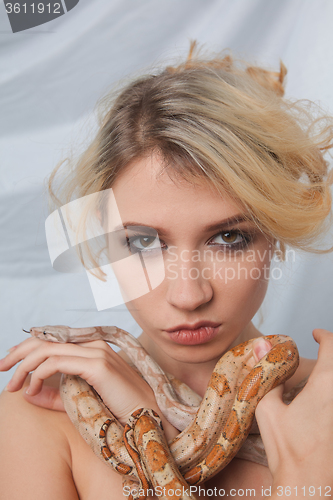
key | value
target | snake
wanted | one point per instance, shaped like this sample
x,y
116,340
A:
x,y
212,430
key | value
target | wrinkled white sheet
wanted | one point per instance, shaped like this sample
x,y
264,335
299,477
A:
x,y
51,77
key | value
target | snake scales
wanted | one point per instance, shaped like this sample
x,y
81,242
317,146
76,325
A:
x,y
212,430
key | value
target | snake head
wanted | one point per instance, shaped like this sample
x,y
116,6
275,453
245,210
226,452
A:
x,y
57,333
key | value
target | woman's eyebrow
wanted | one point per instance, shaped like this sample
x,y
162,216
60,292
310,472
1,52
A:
x,y
224,223
227,223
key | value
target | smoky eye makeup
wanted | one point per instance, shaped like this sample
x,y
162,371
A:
x,y
136,239
232,239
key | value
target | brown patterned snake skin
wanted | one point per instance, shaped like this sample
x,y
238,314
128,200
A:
x,y
213,430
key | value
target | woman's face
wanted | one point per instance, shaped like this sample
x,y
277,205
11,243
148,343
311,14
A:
x,y
216,264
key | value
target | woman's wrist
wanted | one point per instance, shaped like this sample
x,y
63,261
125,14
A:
x,y
302,482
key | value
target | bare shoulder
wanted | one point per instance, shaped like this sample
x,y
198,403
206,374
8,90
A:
x,y
35,460
43,456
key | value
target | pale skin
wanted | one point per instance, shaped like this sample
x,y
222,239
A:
x,y
42,449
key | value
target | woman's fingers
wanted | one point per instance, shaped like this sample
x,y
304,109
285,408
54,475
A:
x,y
92,369
325,354
321,379
320,334
299,436
269,408
118,384
22,350
113,379
33,355
48,397
268,413
18,353
260,348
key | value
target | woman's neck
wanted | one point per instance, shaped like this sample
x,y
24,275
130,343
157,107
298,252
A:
x,y
195,375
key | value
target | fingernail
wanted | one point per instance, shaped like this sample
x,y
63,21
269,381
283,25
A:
x,y
262,353
261,347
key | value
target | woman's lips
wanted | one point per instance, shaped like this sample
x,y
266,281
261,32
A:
x,y
194,336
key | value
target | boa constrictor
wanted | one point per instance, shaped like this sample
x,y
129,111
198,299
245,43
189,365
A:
x,y
212,430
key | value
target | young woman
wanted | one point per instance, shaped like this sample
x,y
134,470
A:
x,y
210,156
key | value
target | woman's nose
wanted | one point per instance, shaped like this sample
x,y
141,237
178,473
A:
x,y
188,288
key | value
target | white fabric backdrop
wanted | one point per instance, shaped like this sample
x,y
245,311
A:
x,y
51,77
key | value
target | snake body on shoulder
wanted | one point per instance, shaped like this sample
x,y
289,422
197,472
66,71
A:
x,y
213,430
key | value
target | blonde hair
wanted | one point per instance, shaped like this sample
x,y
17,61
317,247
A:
x,y
227,122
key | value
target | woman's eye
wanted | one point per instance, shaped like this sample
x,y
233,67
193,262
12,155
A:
x,y
229,238
142,243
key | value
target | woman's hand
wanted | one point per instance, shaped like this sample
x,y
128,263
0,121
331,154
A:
x,y
122,389
298,438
